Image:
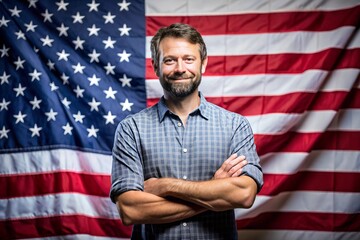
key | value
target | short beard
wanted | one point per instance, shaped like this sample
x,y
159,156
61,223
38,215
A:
x,y
181,90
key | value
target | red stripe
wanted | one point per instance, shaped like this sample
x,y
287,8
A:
x,y
311,221
261,22
61,226
311,181
54,182
306,142
288,103
329,59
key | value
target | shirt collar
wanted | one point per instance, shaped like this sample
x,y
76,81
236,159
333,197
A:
x,y
203,109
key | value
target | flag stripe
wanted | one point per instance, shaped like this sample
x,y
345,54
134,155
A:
x,y
308,221
250,106
61,226
329,59
214,7
276,162
291,42
296,234
248,23
56,183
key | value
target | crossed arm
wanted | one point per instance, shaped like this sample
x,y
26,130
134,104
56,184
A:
x,y
167,200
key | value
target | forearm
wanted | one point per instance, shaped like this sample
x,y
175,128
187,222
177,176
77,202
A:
x,y
137,207
215,195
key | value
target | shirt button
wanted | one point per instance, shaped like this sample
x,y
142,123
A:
x,y
185,150
179,124
184,224
184,177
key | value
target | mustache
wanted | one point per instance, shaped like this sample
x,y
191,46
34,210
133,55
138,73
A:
x,y
180,76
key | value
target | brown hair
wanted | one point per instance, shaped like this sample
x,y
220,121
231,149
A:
x,y
176,30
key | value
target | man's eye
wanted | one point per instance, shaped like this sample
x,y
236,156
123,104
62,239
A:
x,y
168,61
189,60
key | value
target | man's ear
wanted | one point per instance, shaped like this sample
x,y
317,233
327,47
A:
x,y
156,68
203,65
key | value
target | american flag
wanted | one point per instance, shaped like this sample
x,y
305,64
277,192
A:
x,y
71,70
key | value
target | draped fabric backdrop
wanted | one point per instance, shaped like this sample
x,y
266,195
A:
x,y
71,70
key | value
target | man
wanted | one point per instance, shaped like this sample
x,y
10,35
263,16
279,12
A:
x,y
179,169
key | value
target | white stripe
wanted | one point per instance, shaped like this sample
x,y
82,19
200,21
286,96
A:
x,y
56,205
55,160
317,161
260,234
303,201
92,206
268,84
308,122
275,43
215,7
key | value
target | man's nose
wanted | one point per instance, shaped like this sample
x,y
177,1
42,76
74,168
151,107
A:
x,y
180,67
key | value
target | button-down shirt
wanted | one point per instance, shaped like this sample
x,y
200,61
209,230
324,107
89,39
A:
x,y
155,143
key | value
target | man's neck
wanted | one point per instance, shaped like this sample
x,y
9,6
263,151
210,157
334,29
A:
x,y
183,106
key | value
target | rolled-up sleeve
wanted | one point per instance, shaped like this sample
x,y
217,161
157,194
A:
x,y
243,144
127,171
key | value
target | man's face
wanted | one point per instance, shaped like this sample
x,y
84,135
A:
x,y
180,67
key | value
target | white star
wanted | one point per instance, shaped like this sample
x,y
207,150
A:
x,y
32,3
35,103
35,75
30,27
79,43
47,41
109,18
110,93
92,131
78,117
3,22
4,104
62,5
79,91
126,105
19,117
109,43
93,30
124,5
63,30
47,16
4,132
35,130
124,30
109,118
93,6
94,56
94,80
51,115
66,102
4,78
67,129
19,90
65,79
78,68
53,87
50,64
15,11
124,56
109,69
63,55
94,105
20,34
19,63
77,18
4,51
125,81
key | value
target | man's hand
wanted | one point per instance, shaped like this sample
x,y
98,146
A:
x,y
232,167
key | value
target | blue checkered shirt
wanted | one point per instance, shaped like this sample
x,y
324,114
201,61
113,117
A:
x,y
155,143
